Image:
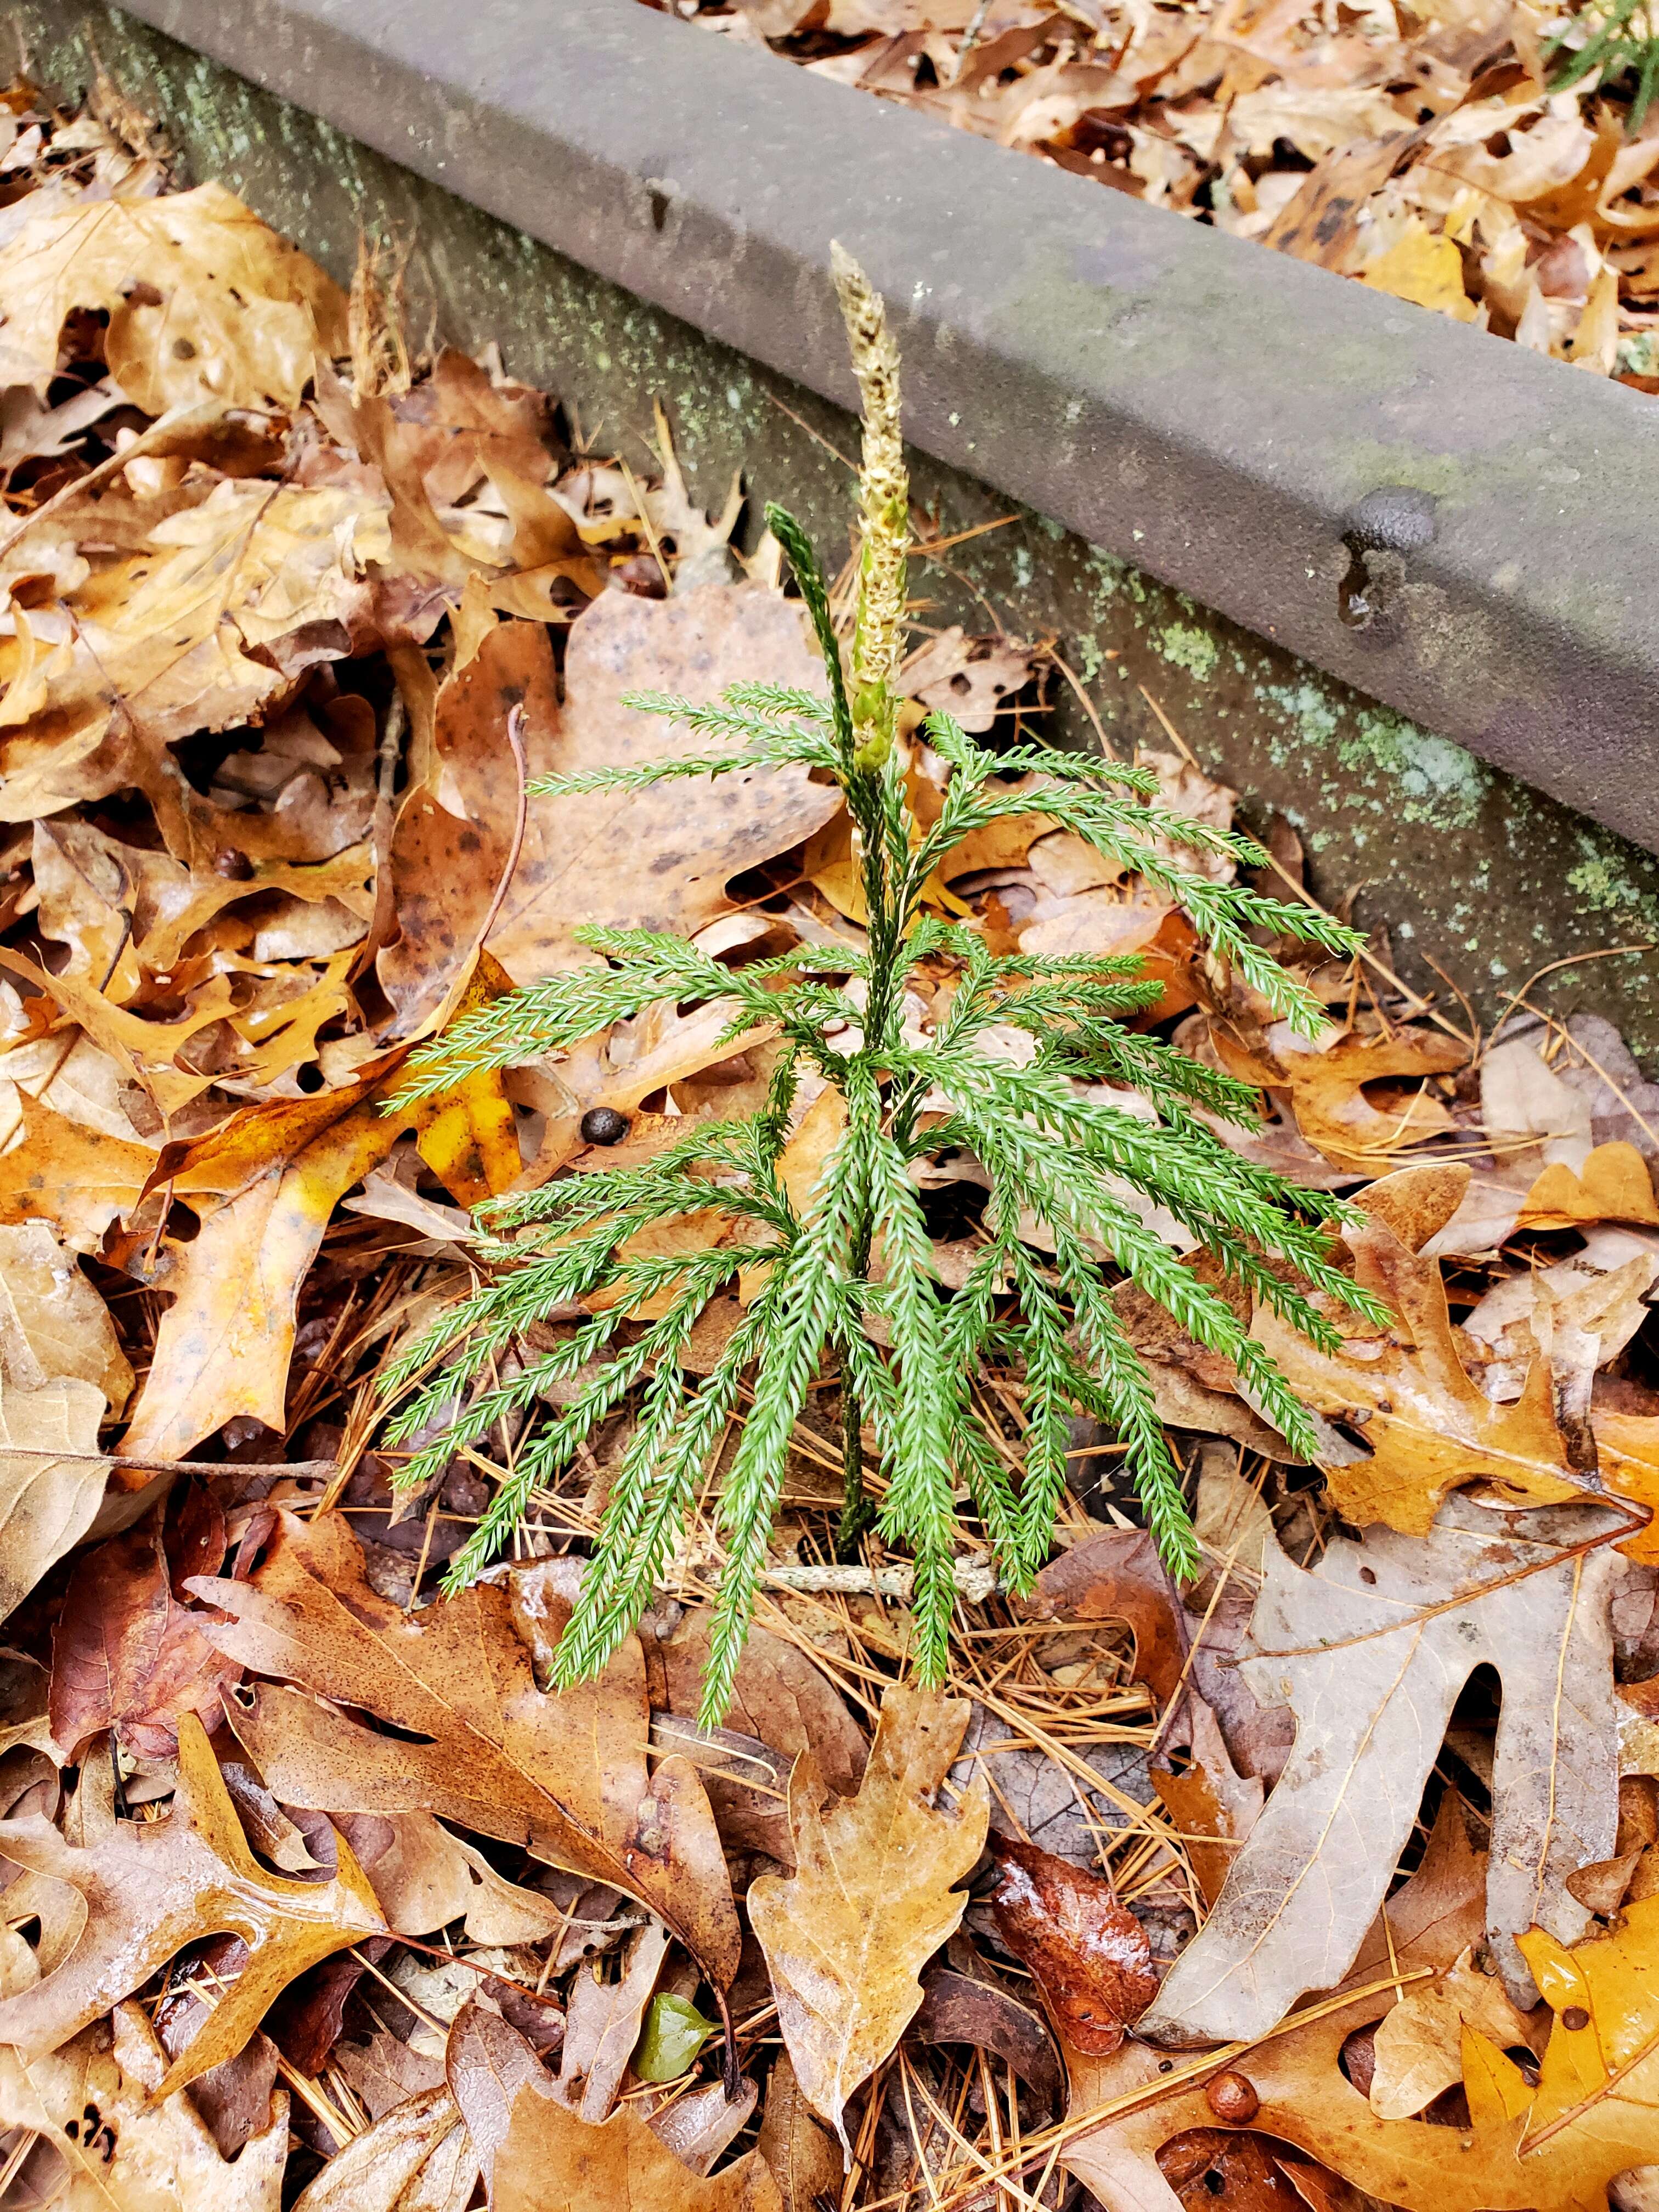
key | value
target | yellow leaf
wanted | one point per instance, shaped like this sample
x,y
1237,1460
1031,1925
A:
x,y
1494,2086
277,1172
1424,269
1427,1426
1627,1447
873,1896
1612,1185
468,1136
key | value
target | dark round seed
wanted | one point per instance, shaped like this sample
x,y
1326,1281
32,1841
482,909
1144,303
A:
x,y
1575,2017
603,1125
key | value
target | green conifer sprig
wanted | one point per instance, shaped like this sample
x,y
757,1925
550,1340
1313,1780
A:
x,y
1610,39
844,1285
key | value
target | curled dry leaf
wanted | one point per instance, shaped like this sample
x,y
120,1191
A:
x,y
1418,2047
268,1181
1369,1650
425,1878
551,2161
415,2158
164,644
1091,1957
152,1887
1328,1087
977,2009
121,2145
1427,1428
564,1776
802,2155
62,1374
1116,1574
872,1898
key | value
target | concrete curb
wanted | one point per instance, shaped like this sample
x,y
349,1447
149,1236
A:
x,y
1444,519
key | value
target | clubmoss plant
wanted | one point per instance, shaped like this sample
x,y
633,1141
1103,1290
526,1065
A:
x,y
842,1286
1609,38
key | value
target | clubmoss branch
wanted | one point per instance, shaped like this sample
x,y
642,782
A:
x,y
844,1280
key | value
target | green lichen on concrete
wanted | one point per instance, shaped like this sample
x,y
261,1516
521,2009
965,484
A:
x,y
1307,708
1430,779
1605,885
1189,648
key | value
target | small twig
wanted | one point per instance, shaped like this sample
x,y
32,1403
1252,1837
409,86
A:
x,y
975,1582
731,2064
310,1467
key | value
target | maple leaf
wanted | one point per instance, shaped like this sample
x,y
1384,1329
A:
x,y
96,2100
565,1776
873,1897
152,1887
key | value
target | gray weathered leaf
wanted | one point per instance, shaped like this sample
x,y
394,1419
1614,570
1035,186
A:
x,y
1371,1672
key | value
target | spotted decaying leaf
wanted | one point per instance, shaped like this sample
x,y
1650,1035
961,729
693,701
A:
x,y
1090,1956
94,2098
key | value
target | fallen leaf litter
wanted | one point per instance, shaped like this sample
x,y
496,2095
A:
x,y
317,1893
1491,161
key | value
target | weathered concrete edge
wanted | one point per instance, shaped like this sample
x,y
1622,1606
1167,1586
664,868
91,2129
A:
x,y
1213,413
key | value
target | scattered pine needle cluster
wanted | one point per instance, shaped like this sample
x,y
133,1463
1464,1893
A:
x,y
846,1280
